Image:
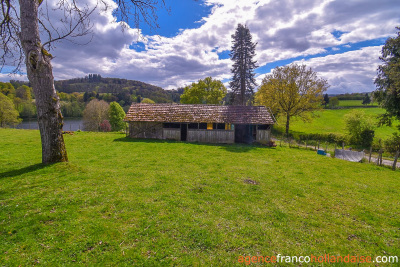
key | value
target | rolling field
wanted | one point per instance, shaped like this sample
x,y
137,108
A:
x,y
354,103
332,121
155,203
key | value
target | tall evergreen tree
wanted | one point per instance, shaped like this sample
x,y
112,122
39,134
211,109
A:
x,y
326,99
242,53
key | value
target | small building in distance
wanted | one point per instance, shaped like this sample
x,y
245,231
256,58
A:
x,y
200,123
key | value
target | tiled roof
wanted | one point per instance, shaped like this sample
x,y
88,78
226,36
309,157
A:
x,y
199,114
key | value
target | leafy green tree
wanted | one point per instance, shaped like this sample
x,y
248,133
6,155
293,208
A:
x,y
366,100
8,114
388,80
147,101
7,89
292,91
207,91
360,127
24,92
242,53
326,99
116,117
333,102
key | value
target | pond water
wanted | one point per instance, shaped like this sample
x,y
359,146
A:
x,y
70,124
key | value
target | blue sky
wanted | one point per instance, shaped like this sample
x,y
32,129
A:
x,y
340,39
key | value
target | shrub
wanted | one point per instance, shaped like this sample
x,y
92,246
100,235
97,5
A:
x,y
393,144
359,126
105,126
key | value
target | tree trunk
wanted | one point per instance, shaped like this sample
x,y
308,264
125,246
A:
x,y
40,75
287,125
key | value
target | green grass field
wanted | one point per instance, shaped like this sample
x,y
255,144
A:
x,y
332,121
354,103
121,202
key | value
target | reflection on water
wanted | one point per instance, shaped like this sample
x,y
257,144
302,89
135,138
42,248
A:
x,y
70,124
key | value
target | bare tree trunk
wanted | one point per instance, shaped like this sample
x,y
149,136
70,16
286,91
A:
x,y
40,75
287,124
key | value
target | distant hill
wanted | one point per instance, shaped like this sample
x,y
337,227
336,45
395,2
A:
x,y
98,84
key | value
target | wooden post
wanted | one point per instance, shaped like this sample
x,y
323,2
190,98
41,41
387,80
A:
x,y
379,161
343,145
395,161
326,147
370,154
306,144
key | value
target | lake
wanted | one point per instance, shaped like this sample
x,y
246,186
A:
x,y
70,124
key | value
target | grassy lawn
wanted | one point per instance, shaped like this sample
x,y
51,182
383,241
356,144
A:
x,y
152,203
332,121
354,103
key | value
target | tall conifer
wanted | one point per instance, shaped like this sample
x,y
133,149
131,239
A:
x,y
242,53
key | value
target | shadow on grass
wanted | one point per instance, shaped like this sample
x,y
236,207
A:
x,y
236,148
24,170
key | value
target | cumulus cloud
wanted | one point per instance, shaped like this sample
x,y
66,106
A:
x,y
283,29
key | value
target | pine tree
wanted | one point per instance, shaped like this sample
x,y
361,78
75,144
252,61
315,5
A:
x,y
366,99
242,53
326,99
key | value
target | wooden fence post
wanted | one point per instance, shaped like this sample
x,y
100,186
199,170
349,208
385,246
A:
x,y
379,161
343,145
395,161
306,144
370,154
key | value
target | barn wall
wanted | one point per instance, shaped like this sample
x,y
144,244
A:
x,y
211,136
263,136
153,130
172,134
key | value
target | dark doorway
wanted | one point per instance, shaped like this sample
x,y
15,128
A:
x,y
244,133
184,129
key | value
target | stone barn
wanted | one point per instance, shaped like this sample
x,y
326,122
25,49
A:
x,y
200,123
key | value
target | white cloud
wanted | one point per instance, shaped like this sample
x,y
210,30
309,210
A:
x,y
284,29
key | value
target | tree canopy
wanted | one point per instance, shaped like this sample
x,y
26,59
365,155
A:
x,y
388,80
292,91
242,53
207,91
116,115
8,114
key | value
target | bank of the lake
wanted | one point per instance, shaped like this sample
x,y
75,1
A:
x,y
70,124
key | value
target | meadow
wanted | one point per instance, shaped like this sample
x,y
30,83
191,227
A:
x,y
355,103
332,121
120,201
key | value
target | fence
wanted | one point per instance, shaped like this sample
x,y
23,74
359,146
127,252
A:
x,y
327,147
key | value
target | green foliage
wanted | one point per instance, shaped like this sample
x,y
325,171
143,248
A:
x,y
7,89
333,102
388,80
116,117
292,91
392,144
24,92
119,89
8,114
207,91
366,100
242,53
147,101
120,202
360,128
326,99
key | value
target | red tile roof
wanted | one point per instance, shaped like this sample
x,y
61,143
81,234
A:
x,y
199,114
